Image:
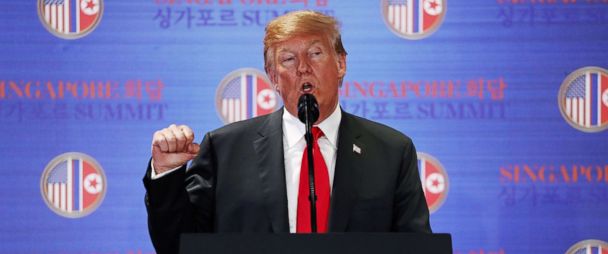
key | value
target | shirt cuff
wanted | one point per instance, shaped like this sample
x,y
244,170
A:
x,y
154,175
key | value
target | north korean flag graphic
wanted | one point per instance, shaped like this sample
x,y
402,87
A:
x,y
73,185
434,181
87,14
244,94
92,185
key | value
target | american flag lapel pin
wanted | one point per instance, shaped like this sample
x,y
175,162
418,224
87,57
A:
x,y
356,149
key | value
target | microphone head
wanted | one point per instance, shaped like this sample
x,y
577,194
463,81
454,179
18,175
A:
x,y
308,107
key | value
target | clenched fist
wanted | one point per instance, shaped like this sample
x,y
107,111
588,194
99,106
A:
x,y
173,147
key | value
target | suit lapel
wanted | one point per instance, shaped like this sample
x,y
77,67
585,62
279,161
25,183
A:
x,y
345,176
269,149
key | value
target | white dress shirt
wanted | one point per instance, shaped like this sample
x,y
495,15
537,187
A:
x,y
293,149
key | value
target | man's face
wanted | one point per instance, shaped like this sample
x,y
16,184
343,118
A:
x,y
308,59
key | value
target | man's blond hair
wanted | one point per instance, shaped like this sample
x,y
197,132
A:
x,y
300,23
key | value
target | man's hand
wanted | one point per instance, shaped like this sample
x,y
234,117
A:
x,y
173,147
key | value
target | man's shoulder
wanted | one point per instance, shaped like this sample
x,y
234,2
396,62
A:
x,y
377,130
245,127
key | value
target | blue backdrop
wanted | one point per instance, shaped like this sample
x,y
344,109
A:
x,y
506,100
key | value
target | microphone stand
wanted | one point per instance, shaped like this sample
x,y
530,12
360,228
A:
x,y
308,112
311,178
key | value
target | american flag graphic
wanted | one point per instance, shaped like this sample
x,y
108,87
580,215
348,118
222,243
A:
x,y
434,181
586,99
73,185
413,16
246,94
70,16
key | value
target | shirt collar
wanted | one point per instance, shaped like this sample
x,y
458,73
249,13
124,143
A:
x,y
293,129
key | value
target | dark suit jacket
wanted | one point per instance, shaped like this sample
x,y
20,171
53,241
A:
x,y
237,184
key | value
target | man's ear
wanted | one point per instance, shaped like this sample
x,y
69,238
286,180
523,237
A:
x,y
341,65
273,78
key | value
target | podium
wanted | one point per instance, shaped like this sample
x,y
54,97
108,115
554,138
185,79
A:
x,y
351,243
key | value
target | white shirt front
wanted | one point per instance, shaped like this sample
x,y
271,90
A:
x,y
293,148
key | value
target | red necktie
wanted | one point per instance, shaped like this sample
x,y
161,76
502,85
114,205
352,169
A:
x,y
321,189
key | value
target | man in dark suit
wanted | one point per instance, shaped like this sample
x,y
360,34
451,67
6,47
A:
x,y
246,176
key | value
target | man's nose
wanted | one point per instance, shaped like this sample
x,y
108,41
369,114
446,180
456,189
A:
x,y
304,66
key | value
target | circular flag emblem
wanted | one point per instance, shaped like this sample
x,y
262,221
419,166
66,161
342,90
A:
x,y
413,19
589,246
243,94
434,180
73,185
583,99
70,19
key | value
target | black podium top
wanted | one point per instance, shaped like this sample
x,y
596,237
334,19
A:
x,y
351,243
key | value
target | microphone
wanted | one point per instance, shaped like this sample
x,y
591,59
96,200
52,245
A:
x,y
308,109
308,113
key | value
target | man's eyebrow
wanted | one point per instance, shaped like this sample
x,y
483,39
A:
x,y
312,43
282,50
